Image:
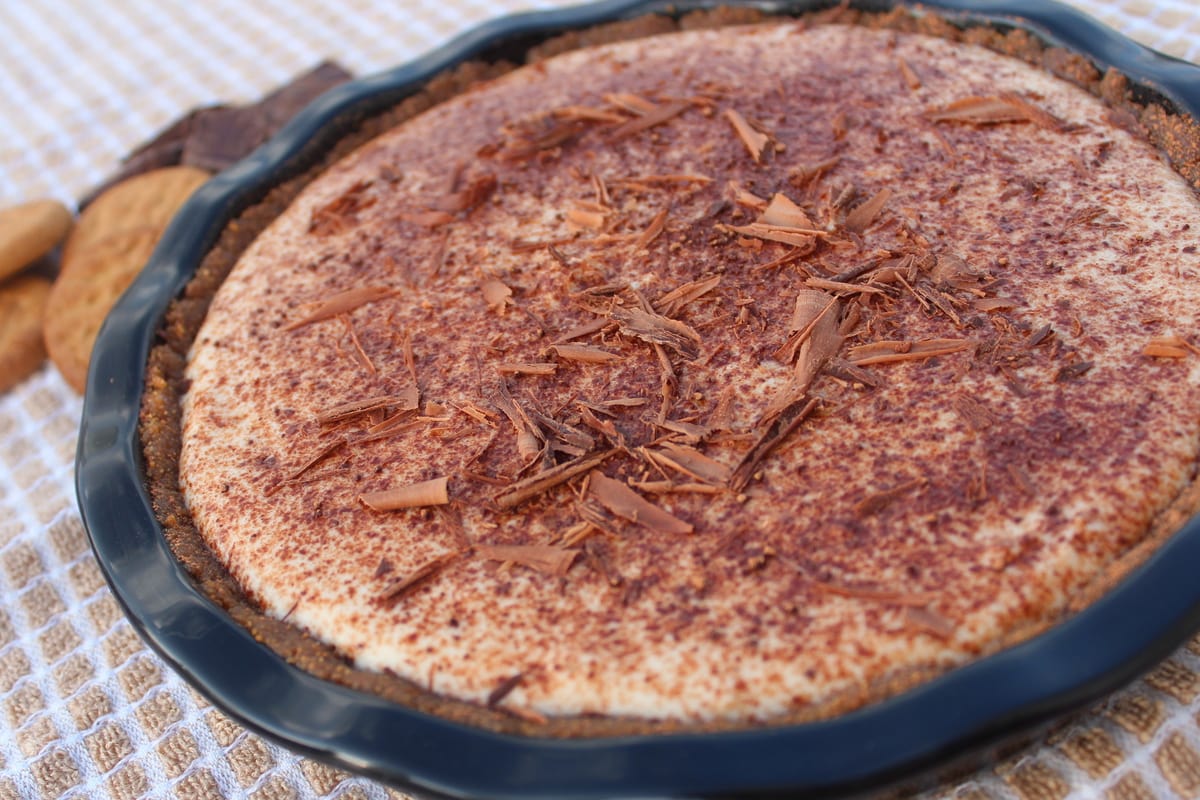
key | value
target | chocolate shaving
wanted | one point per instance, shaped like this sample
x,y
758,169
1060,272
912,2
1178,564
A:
x,y
529,436
911,79
481,478
787,258
863,215
974,412
567,434
649,181
545,558
587,114
342,303
550,246
1169,347
854,273
531,142
359,352
755,140
835,286
526,367
653,230
586,217
531,487
782,212
691,462
469,197
476,413
336,215
784,422
433,492
939,300
604,427
671,302
807,174
840,125
410,358
878,501
597,517
526,715
659,330
322,454
979,111
1034,113
721,417
897,597
601,188
690,431
1072,371
428,219
995,110
579,331
628,101
496,294
927,620
995,303
390,426
650,119
577,534
845,371
628,504
1084,216
624,402
803,238
1040,335
810,309
398,587
584,353
504,689
603,290
887,352
668,382
744,197
670,487
815,351
405,401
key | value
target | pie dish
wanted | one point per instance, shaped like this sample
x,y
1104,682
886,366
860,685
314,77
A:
x,y
638,743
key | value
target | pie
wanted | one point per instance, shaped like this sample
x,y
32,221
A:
x,y
726,376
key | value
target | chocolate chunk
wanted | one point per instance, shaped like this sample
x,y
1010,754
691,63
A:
x,y
219,140
216,137
287,101
224,137
164,149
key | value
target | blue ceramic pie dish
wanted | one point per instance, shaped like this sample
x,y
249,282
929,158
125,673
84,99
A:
x,y
955,717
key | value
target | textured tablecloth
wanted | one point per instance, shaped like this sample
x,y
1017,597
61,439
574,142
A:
x,y
86,710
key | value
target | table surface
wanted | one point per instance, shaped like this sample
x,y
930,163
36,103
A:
x,y
86,710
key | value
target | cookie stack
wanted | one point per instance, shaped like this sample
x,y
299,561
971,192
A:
x,y
28,233
60,274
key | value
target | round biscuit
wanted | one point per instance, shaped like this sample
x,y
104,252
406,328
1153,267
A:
x,y
22,302
147,200
82,297
109,245
30,231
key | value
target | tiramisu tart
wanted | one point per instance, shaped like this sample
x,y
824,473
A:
x,y
729,375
